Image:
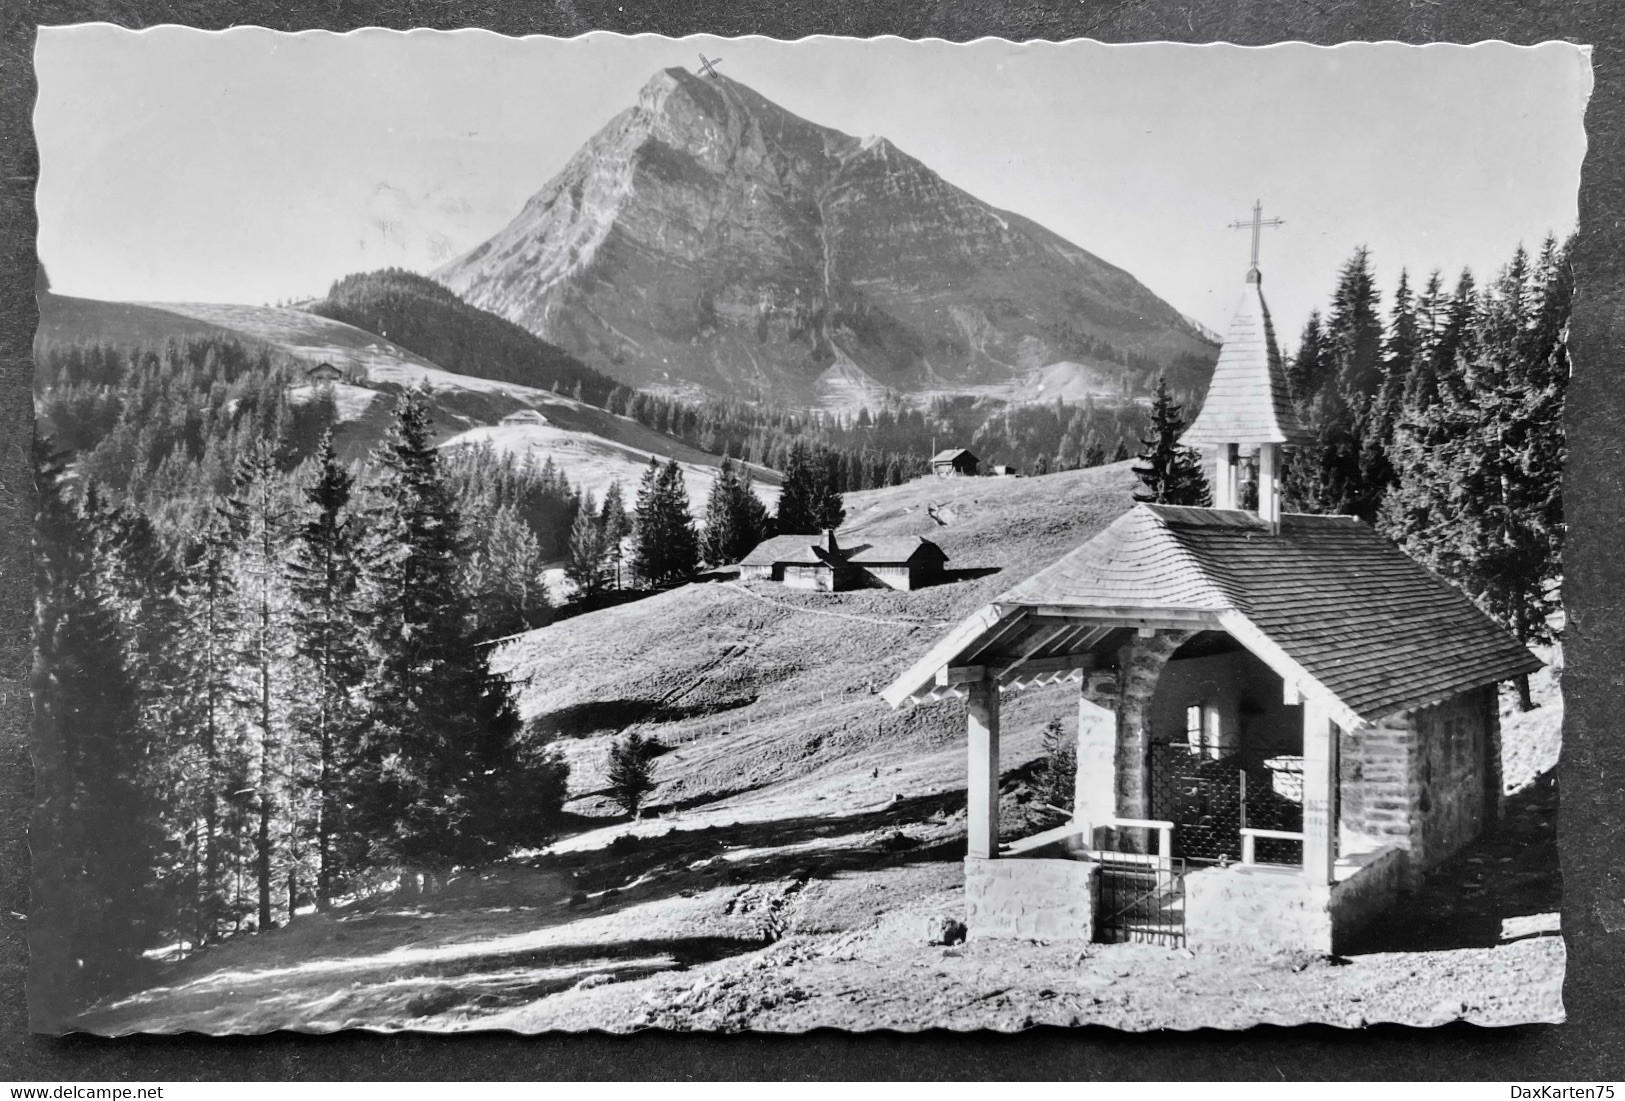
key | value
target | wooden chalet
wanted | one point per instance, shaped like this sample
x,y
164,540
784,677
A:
x,y
955,462
323,372
821,563
524,416
1283,720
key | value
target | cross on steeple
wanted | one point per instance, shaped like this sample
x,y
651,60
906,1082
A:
x,y
1257,223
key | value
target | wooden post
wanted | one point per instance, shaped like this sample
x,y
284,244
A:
x,y
982,787
1224,480
1269,485
1319,791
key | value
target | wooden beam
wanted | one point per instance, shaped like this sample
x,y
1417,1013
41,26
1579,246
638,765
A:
x,y
1173,619
950,675
998,634
1043,639
1065,663
1319,792
982,771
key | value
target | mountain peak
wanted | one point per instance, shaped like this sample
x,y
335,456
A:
x,y
710,240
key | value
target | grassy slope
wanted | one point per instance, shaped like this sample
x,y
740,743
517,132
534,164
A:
x,y
768,695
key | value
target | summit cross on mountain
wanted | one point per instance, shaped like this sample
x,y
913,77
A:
x,y
777,257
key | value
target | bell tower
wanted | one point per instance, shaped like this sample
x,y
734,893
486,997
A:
x,y
1248,405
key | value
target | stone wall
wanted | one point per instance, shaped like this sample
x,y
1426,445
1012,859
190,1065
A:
x,y
1275,909
1042,899
1452,746
1263,906
1427,781
1369,889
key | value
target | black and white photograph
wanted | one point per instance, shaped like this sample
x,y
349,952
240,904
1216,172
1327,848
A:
x,y
728,534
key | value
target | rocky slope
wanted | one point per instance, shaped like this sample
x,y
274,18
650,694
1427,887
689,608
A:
x,y
707,239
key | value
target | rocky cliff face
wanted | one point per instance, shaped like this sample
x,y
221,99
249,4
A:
x,y
708,239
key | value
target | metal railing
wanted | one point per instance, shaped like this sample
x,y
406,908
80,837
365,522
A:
x,y
1165,840
1249,837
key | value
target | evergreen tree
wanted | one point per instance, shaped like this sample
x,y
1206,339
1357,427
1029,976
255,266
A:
x,y
1120,454
1170,472
1094,454
211,766
1341,369
99,849
631,770
324,573
589,556
799,496
665,548
257,514
441,725
613,522
508,591
735,518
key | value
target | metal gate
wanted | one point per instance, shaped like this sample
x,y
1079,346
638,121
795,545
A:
x,y
1142,899
1209,799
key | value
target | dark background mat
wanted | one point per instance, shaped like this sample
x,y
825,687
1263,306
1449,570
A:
x,y
1590,1047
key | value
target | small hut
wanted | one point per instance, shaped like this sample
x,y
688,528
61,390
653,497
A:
x,y
822,564
524,416
956,462
323,372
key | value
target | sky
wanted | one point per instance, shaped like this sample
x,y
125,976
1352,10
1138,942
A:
x,y
254,167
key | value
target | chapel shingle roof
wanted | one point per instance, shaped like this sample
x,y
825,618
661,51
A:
x,y
1248,401
1375,627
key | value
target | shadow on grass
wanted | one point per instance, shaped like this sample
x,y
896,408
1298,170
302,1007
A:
x,y
600,716
1512,873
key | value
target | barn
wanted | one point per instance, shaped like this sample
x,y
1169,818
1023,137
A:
x,y
524,416
955,462
821,563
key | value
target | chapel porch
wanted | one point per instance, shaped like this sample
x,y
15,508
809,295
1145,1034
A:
x,y
1207,805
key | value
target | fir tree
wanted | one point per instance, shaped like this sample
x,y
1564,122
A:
x,y
798,496
735,518
509,594
615,526
1335,473
96,835
665,548
324,574
205,716
631,770
1170,472
440,722
589,555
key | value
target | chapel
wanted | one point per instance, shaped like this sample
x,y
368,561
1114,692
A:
x,y
1283,721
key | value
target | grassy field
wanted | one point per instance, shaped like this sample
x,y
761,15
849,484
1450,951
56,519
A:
x,y
801,833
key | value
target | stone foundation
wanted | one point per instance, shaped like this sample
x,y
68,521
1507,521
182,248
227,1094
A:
x,y
1274,908
1037,899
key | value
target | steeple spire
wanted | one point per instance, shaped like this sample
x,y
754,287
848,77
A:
x,y
1248,404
